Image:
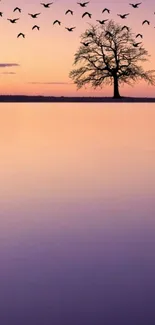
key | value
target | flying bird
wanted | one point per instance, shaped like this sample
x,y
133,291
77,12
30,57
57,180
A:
x,y
47,5
34,15
102,21
139,35
90,34
123,16
17,8
70,29
13,21
136,44
86,13
35,26
145,21
136,5
1,14
106,9
21,34
108,33
125,27
71,12
57,21
83,4
85,44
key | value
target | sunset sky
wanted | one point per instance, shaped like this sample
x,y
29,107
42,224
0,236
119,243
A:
x,y
40,63
77,226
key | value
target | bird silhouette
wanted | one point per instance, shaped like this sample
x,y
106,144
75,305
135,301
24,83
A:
x,y
57,21
139,35
86,13
136,5
145,21
17,8
106,9
1,14
125,27
71,12
102,21
13,21
90,34
136,44
85,44
123,16
35,26
34,15
108,33
83,4
70,29
46,5
21,34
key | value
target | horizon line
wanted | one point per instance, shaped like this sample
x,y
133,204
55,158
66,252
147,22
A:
x,y
85,99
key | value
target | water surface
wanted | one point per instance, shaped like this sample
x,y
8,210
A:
x,y
77,214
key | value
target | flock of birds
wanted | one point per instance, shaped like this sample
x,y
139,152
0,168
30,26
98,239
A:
x,y
86,13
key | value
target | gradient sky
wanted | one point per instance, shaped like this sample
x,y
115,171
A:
x,y
40,63
77,226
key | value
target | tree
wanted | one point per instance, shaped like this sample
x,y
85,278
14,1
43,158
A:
x,y
110,55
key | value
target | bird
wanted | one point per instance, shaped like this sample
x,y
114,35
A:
x,y
57,21
136,5
83,4
21,34
125,27
106,9
71,12
108,33
139,35
85,44
145,21
90,34
13,21
17,8
35,26
86,13
102,21
1,14
123,16
46,5
136,44
34,15
70,29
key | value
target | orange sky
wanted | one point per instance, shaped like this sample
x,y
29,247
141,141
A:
x,y
45,58
65,152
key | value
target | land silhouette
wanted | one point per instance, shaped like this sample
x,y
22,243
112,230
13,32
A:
x,y
109,54
65,99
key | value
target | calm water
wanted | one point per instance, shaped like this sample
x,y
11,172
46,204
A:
x,y
77,214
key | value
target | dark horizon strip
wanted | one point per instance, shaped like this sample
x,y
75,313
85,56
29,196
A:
x,y
26,98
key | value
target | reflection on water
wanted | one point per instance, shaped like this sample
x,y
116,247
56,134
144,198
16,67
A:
x,y
77,227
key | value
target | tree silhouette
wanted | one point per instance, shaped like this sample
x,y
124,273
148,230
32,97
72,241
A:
x,y
110,57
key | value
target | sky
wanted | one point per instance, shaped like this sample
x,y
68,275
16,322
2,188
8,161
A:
x,y
40,63
77,226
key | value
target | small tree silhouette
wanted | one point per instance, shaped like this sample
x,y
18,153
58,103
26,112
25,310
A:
x,y
107,56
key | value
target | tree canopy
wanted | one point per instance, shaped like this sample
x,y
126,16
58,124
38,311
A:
x,y
110,54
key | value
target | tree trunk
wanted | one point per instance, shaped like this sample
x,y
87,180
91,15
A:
x,y
116,88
